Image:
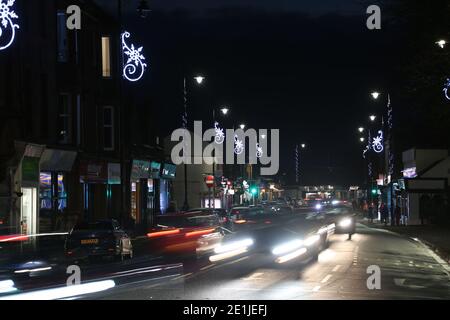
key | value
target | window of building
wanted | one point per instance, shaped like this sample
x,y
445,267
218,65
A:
x,y
106,57
108,128
62,41
64,119
45,190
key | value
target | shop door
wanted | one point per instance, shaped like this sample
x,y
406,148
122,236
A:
x,y
28,211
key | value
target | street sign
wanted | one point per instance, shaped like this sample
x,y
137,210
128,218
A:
x,y
209,180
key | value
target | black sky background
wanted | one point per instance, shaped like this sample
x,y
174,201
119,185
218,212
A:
x,y
307,71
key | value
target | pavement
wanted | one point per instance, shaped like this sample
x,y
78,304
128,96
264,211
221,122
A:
x,y
436,237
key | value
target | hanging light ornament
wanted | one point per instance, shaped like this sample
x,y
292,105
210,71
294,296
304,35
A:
x,y
377,143
259,151
134,68
238,145
446,87
220,136
6,23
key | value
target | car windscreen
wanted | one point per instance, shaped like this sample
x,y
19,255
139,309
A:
x,y
100,225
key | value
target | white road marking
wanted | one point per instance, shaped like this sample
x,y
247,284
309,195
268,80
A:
x,y
207,267
328,277
182,276
336,268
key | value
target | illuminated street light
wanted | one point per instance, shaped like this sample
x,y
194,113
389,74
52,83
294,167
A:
x,y
303,146
224,110
361,129
441,43
361,139
199,79
372,117
375,94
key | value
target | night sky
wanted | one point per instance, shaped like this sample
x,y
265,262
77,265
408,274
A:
x,y
304,67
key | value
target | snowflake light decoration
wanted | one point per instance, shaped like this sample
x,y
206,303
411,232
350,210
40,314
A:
x,y
238,145
134,68
377,143
220,136
446,87
6,16
259,151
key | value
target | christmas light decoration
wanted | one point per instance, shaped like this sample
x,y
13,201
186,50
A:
x,y
220,136
134,68
6,23
446,87
238,145
259,151
377,143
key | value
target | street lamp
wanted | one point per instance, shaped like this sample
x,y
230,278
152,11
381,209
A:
x,y
224,110
361,129
375,94
441,43
303,146
372,117
199,79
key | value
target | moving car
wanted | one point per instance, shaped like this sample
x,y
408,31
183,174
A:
x,y
223,214
100,238
190,234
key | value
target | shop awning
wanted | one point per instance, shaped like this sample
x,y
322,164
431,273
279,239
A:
x,y
57,160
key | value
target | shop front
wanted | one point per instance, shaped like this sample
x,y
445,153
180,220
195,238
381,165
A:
x,y
144,180
101,189
54,179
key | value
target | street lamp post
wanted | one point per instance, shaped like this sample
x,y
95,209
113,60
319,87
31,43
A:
x,y
224,111
199,79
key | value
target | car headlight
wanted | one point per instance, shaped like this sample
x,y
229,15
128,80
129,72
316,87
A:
x,y
344,223
318,206
234,245
335,202
287,247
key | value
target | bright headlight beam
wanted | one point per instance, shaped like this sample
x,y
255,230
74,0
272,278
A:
x,y
345,222
287,247
291,255
318,206
64,292
235,245
311,240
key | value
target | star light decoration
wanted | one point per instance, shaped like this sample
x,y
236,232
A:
x,y
6,16
134,68
446,87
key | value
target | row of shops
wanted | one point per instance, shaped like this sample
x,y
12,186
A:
x,y
51,189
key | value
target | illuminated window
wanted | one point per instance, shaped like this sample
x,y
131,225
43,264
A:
x,y
106,57
108,128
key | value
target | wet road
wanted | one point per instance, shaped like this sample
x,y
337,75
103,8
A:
x,y
408,269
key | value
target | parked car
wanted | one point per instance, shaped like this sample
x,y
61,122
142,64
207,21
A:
x,y
100,238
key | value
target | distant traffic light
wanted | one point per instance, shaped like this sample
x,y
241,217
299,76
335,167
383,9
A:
x,y
254,190
374,191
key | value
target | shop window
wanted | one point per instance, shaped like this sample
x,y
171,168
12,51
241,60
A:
x,y
62,193
64,119
108,128
45,190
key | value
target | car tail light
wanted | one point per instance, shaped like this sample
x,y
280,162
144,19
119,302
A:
x,y
162,233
